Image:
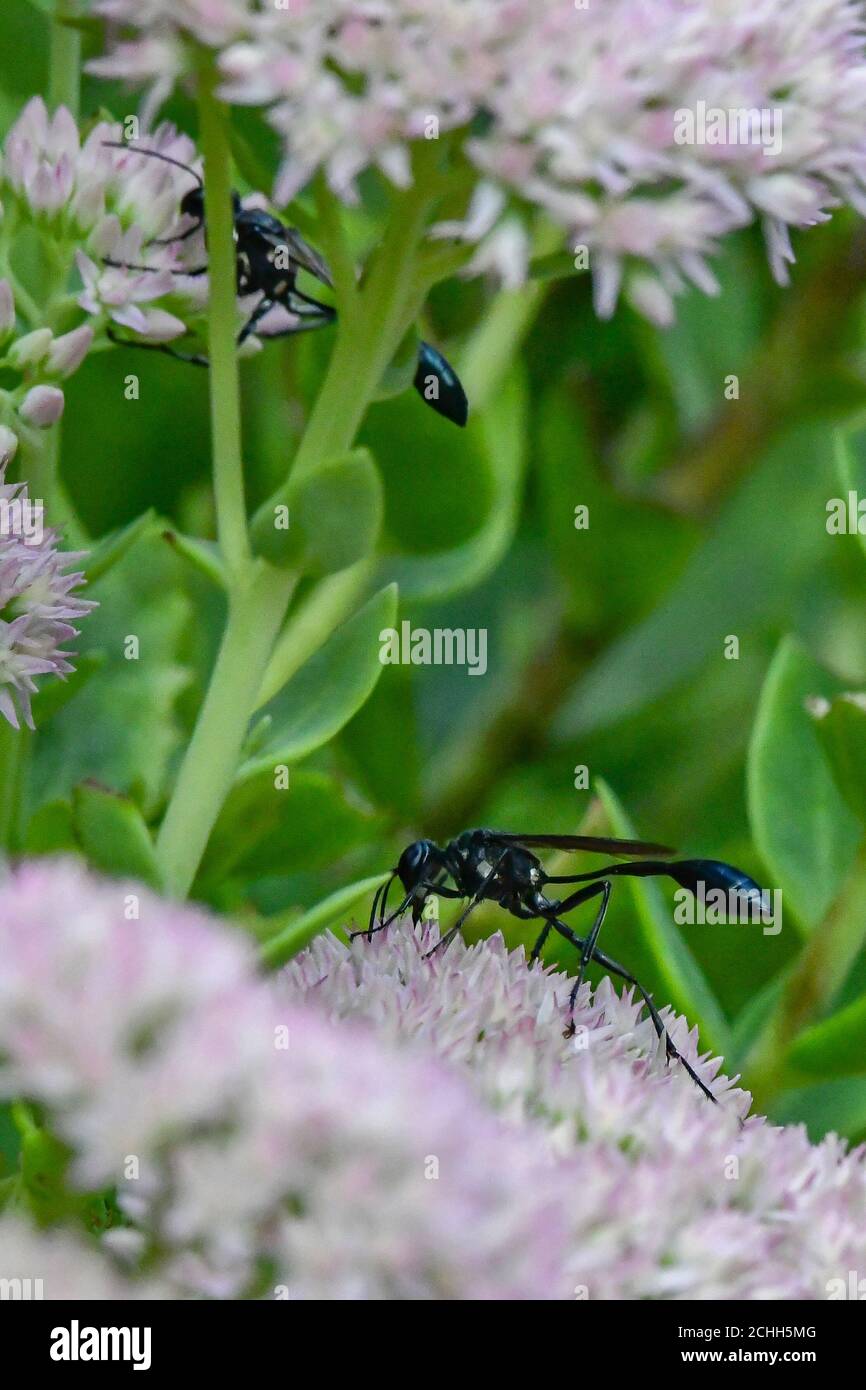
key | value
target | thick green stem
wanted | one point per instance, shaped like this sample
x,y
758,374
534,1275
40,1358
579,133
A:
x,y
258,595
369,337
256,611
225,400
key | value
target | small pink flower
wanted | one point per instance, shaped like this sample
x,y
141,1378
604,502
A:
x,y
120,293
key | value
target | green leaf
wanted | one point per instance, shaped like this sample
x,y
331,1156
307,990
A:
x,y
834,1047
830,1106
500,439
205,556
329,688
841,726
44,1165
751,1022
263,829
717,595
685,986
123,729
56,693
802,828
301,930
571,470
112,548
112,833
333,515
50,830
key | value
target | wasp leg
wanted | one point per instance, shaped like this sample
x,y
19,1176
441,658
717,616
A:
x,y
312,314
439,889
615,969
155,269
585,895
195,358
539,945
170,240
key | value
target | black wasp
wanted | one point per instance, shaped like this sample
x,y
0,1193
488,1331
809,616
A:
x,y
489,865
268,257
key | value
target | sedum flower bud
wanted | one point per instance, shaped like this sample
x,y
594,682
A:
x,y
69,351
42,406
30,350
7,311
8,445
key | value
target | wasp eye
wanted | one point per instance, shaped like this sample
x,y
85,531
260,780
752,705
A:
x,y
192,203
416,854
412,862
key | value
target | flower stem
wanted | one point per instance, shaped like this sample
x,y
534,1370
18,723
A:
x,y
368,338
225,404
258,594
256,611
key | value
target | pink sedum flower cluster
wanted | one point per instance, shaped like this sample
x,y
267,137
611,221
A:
x,y
114,207
56,1265
110,204
38,608
371,1124
575,108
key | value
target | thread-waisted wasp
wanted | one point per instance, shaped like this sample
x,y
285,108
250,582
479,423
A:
x,y
268,258
494,866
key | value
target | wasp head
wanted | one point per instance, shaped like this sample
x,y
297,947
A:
x,y
415,863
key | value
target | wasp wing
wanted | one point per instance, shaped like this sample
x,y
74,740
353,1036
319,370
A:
x,y
592,844
300,251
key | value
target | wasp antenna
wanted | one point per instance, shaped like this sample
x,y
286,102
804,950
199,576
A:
x,y
154,154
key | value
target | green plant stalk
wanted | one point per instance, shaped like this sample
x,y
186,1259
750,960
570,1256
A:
x,y
225,401
336,249
64,79
483,365
258,594
369,330
369,336
486,356
257,607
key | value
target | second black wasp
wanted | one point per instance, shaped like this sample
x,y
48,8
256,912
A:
x,y
268,259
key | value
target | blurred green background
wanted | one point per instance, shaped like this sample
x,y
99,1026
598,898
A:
x,y
606,646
